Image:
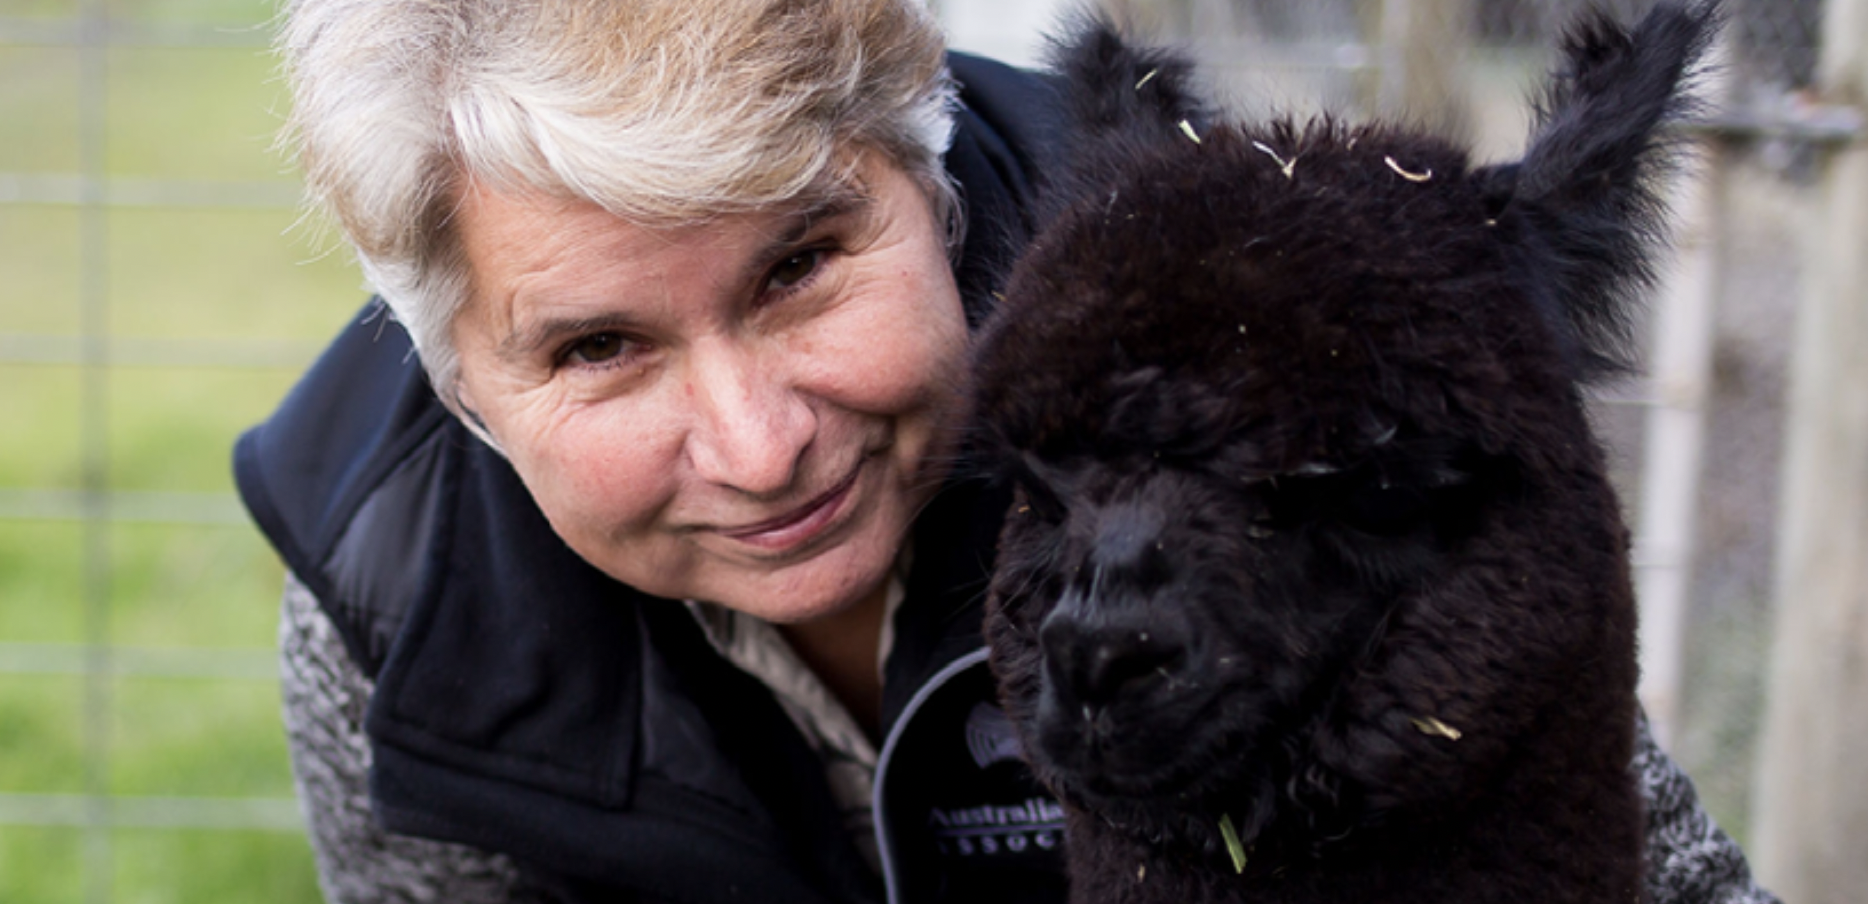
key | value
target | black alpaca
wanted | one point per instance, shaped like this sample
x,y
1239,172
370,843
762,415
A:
x,y
1315,589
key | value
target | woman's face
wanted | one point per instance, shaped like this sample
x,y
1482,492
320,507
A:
x,y
749,411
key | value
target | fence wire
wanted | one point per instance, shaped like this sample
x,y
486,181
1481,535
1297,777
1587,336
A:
x,y
100,658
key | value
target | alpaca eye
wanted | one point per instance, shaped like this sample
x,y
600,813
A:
x,y
1037,499
1036,486
1363,499
1385,510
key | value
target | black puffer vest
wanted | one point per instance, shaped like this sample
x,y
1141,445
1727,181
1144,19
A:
x,y
525,703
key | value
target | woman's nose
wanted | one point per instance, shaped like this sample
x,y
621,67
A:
x,y
750,426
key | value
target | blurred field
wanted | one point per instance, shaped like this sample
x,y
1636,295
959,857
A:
x,y
238,283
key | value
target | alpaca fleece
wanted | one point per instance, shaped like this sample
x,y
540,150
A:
x,y
1312,537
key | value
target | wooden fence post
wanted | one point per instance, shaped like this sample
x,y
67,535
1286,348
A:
x,y
1680,387
1810,827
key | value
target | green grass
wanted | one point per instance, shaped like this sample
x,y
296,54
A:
x,y
193,586
195,12
160,728
41,739
169,276
42,413
276,287
41,577
39,109
42,865
172,429
189,867
185,12
39,255
227,97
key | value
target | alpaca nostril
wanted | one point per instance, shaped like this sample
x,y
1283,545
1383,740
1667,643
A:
x,y
1094,666
1115,666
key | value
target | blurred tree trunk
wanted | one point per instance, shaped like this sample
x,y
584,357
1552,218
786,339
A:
x,y
1811,808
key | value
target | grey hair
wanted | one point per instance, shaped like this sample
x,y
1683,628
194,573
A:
x,y
663,112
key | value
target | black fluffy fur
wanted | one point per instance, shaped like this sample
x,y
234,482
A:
x,y
1306,488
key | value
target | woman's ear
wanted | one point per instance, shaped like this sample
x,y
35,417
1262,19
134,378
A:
x,y
463,406
463,400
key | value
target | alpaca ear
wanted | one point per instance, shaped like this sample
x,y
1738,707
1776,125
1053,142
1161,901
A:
x,y
1584,204
1116,88
1120,98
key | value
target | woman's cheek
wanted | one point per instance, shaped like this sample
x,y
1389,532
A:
x,y
906,355
597,474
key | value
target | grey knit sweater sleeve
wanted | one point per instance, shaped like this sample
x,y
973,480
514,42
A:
x,y
358,862
1690,861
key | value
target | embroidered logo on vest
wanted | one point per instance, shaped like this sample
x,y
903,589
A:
x,y
1036,823
989,735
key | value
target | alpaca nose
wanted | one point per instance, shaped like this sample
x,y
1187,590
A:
x,y
1094,659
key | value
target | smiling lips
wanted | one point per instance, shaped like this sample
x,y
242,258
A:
x,y
799,525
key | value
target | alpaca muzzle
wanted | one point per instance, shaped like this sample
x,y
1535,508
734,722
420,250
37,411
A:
x,y
1098,660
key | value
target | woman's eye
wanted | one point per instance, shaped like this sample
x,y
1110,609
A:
x,y
595,349
794,270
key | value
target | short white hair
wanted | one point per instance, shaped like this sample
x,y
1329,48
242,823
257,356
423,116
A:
x,y
664,112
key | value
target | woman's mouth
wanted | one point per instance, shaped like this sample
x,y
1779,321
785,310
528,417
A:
x,y
800,525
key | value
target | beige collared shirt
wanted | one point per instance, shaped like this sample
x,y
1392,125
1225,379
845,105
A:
x,y
849,756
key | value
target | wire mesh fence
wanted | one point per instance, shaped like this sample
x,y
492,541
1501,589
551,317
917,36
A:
x,y
156,301
152,304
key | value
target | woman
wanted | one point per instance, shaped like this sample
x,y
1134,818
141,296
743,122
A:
x,y
649,583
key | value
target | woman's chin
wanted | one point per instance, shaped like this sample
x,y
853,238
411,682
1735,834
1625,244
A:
x,y
834,582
